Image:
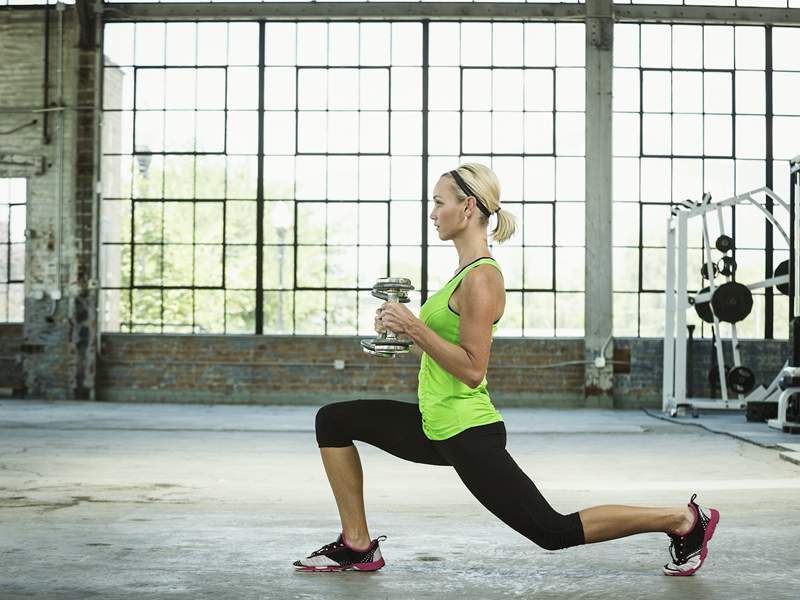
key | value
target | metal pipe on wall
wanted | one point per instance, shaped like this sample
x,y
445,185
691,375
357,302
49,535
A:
x,y
46,102
60,8
97,193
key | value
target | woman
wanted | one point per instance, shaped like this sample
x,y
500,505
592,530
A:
x,y
455,423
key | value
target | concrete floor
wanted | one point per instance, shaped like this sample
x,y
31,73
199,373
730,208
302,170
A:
x,y
184,501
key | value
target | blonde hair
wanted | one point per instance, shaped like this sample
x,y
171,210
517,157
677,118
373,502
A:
x,y
482,180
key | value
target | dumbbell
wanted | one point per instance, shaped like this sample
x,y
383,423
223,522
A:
x,y
390,289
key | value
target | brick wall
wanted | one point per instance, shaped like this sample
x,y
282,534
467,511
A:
x,y
299,369
642,386
57,352
11,379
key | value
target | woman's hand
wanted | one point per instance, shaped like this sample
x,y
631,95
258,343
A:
x,y
395,317
379,326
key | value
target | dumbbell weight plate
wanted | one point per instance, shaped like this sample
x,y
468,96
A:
x,y
393,283
385,347
402,296
741,380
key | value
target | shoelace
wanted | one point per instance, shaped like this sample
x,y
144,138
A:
x,y
327,548
337,544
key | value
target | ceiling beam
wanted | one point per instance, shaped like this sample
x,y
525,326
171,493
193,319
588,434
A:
x,y
442,11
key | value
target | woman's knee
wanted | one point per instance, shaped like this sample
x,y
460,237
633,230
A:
x,y
558,536
331,425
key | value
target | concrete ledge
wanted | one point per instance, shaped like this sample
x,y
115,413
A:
x,y
792,457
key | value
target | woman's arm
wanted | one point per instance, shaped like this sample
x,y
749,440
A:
x,y
468,360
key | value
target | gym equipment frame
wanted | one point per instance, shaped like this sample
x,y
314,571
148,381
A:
x,y
789,379
678,300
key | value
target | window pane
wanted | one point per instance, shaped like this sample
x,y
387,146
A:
x,y
626,315
626,224
147,265
539,314
538,225
309,313
178,222
626,269
210,257
311,266
278,267
278,308
341,313
569,269
178,265
240,222
651,315
569,315
240,315
511,322
209,311
538,268
240,267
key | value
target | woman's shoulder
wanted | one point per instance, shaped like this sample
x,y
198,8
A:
x,y
484,274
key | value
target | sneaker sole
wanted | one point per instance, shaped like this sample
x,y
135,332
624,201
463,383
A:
x,y
712,526
371,566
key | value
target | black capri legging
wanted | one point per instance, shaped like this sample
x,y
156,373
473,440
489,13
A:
x,y
478,455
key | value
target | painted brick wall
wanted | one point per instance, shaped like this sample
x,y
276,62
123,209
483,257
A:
x,y
57,357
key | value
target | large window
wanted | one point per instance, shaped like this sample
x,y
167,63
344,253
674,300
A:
x,y
13,195
512,96
691,116
232,206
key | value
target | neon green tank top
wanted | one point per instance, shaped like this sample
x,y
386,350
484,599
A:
x,y
448,405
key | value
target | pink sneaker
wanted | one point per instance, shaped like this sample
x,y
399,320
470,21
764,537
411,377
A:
x,y
689,551
340,556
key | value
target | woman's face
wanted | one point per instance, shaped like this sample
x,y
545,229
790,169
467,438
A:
x,y
448,214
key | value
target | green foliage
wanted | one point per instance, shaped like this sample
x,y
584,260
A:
x,y
181,243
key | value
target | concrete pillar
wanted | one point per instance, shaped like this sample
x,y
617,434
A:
x,y
598,299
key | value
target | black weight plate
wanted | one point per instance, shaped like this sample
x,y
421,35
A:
x,y
728,266
780,270
713,375
741,380
703,309
732,302
724,243
704,270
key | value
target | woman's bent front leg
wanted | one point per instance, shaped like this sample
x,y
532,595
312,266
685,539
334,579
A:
x,y
390,425
343,468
